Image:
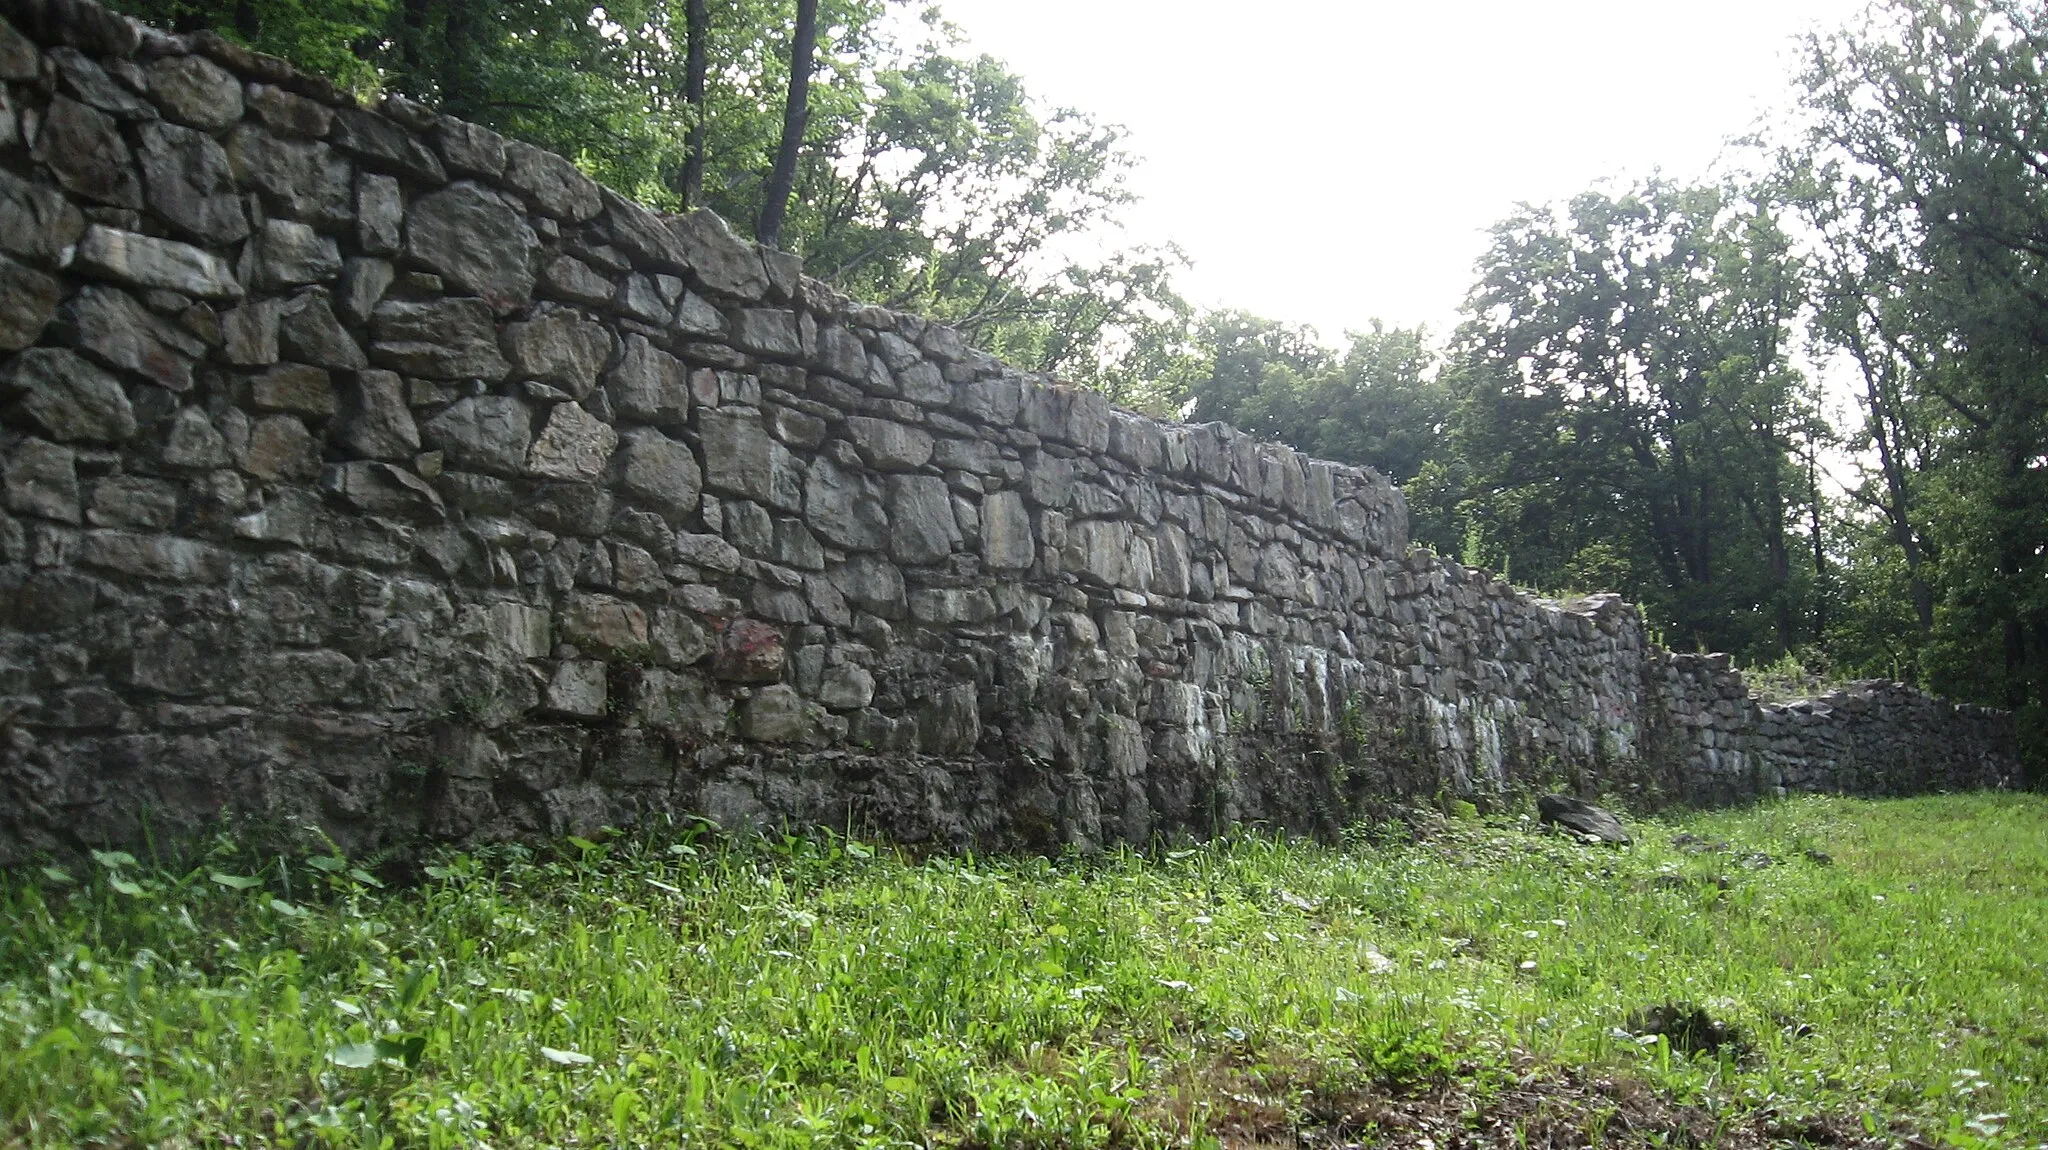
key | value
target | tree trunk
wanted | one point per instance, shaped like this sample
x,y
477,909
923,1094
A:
x,y
796,115
697,32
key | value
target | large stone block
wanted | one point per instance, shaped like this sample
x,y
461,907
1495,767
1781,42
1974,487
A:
x,y
659,471
70,399
741,458
489,433
476,241
438,339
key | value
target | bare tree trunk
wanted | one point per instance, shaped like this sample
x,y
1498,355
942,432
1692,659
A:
x,y
796,115
697,32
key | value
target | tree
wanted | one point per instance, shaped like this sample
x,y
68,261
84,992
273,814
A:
x,y
1627,413
796,116
1924,129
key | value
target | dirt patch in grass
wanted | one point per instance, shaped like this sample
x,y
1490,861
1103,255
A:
x,y
1531,1107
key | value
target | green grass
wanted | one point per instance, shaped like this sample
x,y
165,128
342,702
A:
x,y
686,991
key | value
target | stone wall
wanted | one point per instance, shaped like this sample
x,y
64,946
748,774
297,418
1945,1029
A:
x,y
367,469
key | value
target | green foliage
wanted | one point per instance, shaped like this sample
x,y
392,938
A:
x,y
1920,171
790,991
1626,412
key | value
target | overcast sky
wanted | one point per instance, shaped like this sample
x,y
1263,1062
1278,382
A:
x,y
1329,162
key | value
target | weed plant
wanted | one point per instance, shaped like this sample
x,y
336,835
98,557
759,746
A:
x,y
1883,962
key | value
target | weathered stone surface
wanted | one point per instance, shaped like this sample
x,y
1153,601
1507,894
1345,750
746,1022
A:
x,y
742,459
28,301
573,445
749,651
380,214
720,260
474,239
846,508
288,112
19,59
568,278
280,448
438,339
551,182
888,445
379,423
191,441
82,147
1581,817
301,180
295,387
578,689
363,284
767,331
289,253
42,480
489,433
188,182
922,527
195,91
603,624
70,399
381,489
307,331
559,348
143,261
377,141
774,715
249,333
660,471
1007,543
649,385
470,149
36,223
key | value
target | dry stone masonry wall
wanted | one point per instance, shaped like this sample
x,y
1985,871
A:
x,y
367,469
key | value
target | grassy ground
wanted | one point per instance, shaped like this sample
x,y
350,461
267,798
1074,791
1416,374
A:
x,y
1865,972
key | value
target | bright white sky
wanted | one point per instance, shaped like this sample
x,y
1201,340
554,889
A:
x,y
1328,162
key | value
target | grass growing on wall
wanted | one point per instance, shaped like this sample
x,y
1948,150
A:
x,y
819,992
